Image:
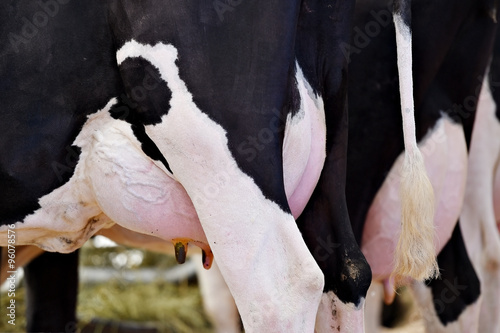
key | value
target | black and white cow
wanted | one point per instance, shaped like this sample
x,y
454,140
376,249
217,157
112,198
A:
x,y
220,124
208,123
452,45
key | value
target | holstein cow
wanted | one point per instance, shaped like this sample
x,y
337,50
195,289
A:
x,y
201,123
211,91
452,44
480,217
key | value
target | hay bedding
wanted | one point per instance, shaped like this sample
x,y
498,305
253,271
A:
x,y
162,307
167,307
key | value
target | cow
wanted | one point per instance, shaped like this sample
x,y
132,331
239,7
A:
x,y
210,124
480,217
150,114
445,71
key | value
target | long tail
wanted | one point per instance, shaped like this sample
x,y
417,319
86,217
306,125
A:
x,y
415,255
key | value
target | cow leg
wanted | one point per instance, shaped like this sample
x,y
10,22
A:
x,y
373,307
450,303
487,251
255,241
272,276
347,274
490,266
260,252
325,223
478,220
51,292
443,300
488,156
457,289
217,300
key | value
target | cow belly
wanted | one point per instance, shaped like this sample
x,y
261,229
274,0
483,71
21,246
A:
x,y
445,156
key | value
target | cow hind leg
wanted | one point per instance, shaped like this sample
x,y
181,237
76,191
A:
x,y
263,258
374,307
347,274
451,303
217,300
260,252
477,219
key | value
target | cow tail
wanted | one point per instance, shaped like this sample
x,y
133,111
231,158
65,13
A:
x,y
415,255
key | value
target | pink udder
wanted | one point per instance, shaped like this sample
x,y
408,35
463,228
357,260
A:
x,y
445,156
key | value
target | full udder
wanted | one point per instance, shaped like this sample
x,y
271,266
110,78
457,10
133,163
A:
x,y
445,157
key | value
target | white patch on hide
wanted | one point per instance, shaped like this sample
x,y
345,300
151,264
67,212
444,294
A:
x,y
258,247
336,316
